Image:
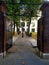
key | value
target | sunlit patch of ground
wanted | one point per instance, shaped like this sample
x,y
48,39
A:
x,y
34,35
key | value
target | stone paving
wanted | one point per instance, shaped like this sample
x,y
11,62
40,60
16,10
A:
x,y
22,53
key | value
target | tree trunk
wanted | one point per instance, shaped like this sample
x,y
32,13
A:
x,y
29,25
14,28
14,25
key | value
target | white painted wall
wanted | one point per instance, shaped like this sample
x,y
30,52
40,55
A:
x,y
33,21
31,25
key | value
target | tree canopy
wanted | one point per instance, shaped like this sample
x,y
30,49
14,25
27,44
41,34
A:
x,y
14,8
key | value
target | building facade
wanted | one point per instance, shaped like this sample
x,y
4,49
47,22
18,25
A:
x,y
33,25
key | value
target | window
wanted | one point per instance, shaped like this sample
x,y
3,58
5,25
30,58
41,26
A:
x,y
33,30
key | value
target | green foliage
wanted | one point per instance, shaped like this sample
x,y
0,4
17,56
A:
x,y
23,24
17,21
14,9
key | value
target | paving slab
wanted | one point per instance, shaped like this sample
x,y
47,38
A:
x,y
22,53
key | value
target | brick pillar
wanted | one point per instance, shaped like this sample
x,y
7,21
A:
x,y
43,45
3,10
4,35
